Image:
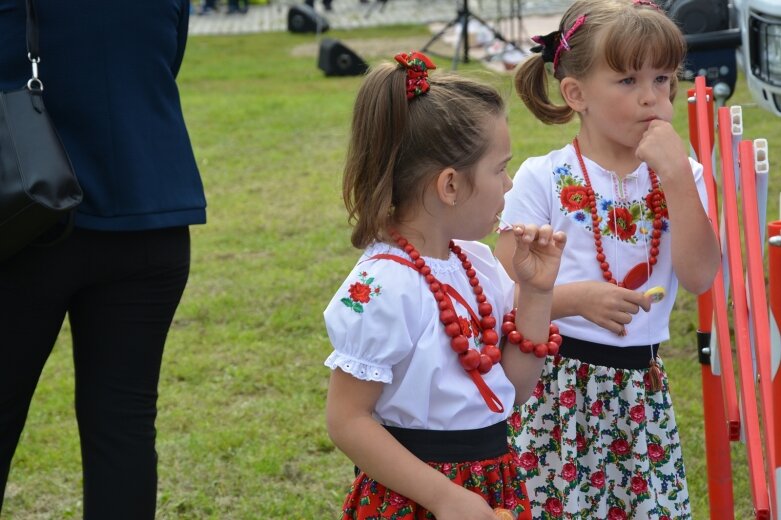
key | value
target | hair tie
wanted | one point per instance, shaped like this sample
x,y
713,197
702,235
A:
x,y
648,3
564,40
546,45
417,65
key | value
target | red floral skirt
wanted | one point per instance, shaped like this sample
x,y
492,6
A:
x,y
497,480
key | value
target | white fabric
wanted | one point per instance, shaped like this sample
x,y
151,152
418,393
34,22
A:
x,y
536,198
397,338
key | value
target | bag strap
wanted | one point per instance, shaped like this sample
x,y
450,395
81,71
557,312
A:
x,y
33,50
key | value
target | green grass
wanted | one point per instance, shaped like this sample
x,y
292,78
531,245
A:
x,y
241,430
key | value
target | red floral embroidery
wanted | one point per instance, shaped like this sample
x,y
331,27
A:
x,y
528,460
580,442
515,421
637,413
616,513
662,204
583,371
555,433
360,292
655,452
574,198
596,408
553,507
621,223
598,479
618,378
639,485
567,398
538,390
620,447
569,472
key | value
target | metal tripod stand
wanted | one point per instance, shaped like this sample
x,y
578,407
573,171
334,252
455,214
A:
x,y
462,21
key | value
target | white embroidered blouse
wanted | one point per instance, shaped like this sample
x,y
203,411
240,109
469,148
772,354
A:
x,y
551,190
384,326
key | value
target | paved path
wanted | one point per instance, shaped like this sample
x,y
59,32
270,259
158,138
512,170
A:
x,y
348,14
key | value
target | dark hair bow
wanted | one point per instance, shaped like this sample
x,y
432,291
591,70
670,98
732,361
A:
x,y
417,65
546,45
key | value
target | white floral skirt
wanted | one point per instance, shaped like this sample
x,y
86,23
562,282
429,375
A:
x,y
598,442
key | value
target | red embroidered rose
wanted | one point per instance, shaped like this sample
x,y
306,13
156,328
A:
x,y
515,421
528,460
580,442
360,292
637,413
555,433
620,222
664,517
567,398
598,479
639,485
655,452
620,447
583,371
616,513
569,472
553,507
477,469
662,204
619,377
596,407
466,327
574,198
538,390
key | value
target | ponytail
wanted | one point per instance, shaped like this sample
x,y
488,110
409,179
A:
x,y
531,84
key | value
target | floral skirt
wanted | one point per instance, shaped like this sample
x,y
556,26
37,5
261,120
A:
x,y
598,442
497,480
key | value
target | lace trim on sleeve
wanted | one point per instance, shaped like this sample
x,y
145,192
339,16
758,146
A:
x,y
359,369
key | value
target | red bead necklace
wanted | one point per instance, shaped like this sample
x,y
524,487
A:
x,y
470,358
640,273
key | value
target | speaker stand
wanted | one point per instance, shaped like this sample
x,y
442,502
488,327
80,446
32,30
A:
x,y
462,20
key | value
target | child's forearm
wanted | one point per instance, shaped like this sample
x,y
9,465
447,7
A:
x,y
695,249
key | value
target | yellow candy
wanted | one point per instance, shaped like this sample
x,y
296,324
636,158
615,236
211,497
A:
x,y
656,293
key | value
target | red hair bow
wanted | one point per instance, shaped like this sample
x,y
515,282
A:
x,y
417,65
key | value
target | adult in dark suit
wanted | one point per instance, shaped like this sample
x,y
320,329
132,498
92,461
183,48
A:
x,y
109,72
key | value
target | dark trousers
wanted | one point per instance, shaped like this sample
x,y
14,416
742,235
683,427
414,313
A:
x,y
120,291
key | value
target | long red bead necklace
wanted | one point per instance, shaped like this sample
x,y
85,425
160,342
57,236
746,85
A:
x,y
470,358
640,273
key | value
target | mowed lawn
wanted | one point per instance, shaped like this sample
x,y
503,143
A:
x,y
241,429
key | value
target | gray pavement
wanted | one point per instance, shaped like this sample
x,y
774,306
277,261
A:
x,y
350,14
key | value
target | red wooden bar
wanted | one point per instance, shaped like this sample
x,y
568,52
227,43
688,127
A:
x,y
760,325
748,397
774,288
722,420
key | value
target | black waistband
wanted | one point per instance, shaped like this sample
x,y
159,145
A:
x,y
454,445
633,358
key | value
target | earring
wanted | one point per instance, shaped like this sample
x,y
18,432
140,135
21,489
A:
x,y
454,202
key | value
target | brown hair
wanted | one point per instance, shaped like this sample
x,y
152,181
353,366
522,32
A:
x,y
398,146
623,34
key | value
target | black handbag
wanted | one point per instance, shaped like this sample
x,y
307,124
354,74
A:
x,y
38,187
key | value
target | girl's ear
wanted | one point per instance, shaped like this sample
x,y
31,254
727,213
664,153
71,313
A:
x,y
447,186
572,92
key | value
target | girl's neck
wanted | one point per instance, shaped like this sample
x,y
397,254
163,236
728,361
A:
x,y
425,238
610,155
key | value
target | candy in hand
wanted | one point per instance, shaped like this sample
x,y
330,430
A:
x,y
656,293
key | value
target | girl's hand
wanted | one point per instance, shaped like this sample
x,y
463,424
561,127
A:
x,y
461,504
537,255
662,149
611,307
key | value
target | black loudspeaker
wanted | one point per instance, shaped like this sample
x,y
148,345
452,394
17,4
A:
x,y
304,19
337,60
